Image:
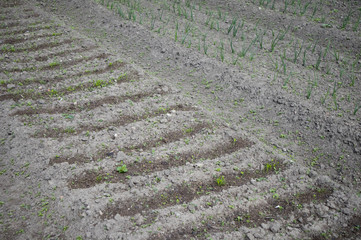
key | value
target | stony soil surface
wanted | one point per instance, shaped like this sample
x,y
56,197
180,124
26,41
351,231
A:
x,y
125,119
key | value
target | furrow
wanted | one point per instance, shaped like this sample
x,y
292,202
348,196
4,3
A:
x,y
61,132
24,39
38,47
65,52
44,80
351,231
167,138
276,209
9,25
57,65
11,5
90,86
25,30
146,167
187,192
34,15
89,105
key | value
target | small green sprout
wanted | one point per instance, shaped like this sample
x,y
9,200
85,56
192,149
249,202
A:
x,y
221,181
122,169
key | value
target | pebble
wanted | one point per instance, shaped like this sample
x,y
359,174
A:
x,y
275,227
265,226
191,208
10,86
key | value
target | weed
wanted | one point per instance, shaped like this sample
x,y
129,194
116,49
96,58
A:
x,y
318,62
246,48
336,86
221,181
221,48
297,51
304,9
279,37
347,19
286,2
357,107
231,45
357,23
122,169
176,32
311,85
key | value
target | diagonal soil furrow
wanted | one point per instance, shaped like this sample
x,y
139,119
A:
x,y
9,25
187,192
60,132
25,30
44,80
65,52
7,4
167,138
24,39
89,105
34,15
38,47
91,178
57,65
228,120
276,209
351,231
89,86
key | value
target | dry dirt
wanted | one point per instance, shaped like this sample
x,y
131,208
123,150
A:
x,y
144,119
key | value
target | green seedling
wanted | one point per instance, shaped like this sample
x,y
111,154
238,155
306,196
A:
x,y
311,85
357,107
347,19
304,9
221,181
279,37
297,51
357,23
53,64
122,169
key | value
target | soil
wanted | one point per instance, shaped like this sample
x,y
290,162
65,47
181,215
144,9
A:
x,y
127,119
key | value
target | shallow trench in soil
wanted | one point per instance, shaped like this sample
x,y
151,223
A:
x,y
125,119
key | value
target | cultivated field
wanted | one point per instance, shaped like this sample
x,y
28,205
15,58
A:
x,y
145,119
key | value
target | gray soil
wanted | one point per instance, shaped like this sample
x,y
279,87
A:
x,y
125,119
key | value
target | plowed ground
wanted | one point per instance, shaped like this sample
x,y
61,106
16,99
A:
x,y
125,119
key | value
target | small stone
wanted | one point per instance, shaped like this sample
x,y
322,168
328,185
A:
x,y
275,227
346,211
200,165
118,217
163,50
88,235
250,236
10,86
165,89
265,226
191,208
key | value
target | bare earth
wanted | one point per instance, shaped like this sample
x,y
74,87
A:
x,y
124,119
